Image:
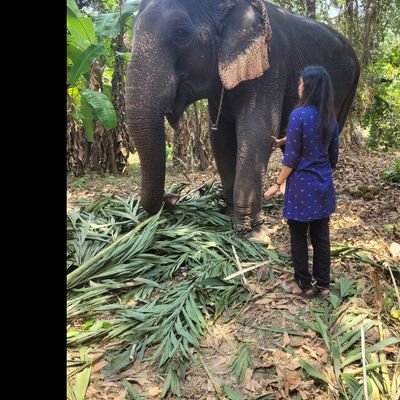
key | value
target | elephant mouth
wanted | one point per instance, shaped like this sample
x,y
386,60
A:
x,y
184,97
172,117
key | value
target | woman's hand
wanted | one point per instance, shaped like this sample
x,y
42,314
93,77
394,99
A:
x,y
271,191
278,142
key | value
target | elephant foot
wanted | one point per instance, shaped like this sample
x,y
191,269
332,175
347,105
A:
x,y
259,234
247,224
229,211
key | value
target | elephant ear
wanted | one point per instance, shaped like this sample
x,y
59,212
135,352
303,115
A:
x,y
245,42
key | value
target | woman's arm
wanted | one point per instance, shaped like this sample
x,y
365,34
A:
x,y
278,142
283,174
293,148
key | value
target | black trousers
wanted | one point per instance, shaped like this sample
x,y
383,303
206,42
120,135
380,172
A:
x,y
319,233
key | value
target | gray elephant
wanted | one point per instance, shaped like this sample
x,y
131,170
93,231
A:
x,y
245,57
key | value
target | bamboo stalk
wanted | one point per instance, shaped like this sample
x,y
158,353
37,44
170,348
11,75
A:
x,y
239,266
196,189
243,271
371,367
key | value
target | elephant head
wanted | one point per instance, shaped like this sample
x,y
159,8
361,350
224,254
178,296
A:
x,y
183,51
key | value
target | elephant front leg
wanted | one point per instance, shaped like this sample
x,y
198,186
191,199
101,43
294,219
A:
x,y
224,147
254,148
247,195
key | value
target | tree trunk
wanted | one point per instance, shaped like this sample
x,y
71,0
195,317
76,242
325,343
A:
x,y
310,9
371,14
122,144
199,146
192,148
110,150
78,147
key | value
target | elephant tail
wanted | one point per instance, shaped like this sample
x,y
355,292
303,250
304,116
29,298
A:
x,y
345,109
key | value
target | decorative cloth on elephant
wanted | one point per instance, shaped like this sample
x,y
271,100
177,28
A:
x,y
252,61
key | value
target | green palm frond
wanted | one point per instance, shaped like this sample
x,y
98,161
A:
x,y
241,361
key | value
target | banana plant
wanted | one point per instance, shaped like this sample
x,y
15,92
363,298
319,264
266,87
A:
x,y
87,41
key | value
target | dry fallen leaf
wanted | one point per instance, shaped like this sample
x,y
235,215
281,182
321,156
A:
x,y
378,287
253,288
293,309
280,306
293,378
372,335
217,361
322,353
98,366
286,339
310,351
304,390
122,395
279,357
289,380
265,300
395,250
154,391
256,386
110,384
250,384
91,393
296,341
267,360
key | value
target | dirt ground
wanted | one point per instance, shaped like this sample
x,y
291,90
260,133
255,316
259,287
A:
x,y
365,205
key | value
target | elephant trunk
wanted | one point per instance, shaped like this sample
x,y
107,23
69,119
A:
x,y
145,120
150,144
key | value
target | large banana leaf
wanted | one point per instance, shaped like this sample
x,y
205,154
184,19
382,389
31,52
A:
x,y
102,107
128,9
80,31
84,61
109,25
87,119
73,52
72,9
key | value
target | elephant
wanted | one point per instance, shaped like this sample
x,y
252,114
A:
x,y
245,57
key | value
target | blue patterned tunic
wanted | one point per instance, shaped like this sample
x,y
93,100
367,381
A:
x,y
309,193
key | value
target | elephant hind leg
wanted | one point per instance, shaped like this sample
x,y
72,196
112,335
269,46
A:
x,y
345,108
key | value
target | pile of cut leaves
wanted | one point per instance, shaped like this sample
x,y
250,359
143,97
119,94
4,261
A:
x,y
150,288
154,282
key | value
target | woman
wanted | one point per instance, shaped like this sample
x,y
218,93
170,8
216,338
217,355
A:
x,y
311,153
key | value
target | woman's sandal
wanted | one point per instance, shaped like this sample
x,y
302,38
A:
x,y
323,292
292,287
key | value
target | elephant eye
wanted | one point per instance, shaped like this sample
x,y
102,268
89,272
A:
x,y
181,36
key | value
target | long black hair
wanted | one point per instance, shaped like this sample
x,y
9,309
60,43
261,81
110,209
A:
x,y
318,91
